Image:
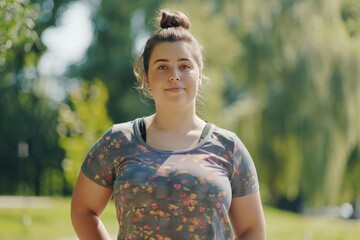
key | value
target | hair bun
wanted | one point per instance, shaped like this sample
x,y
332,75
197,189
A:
x,y
175,19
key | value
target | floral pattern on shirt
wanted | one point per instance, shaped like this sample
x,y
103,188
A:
x,y
172,195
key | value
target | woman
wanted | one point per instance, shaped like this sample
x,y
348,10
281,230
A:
x,y
172,175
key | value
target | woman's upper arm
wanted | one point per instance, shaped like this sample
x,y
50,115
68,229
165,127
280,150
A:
x,y
89,196
247,217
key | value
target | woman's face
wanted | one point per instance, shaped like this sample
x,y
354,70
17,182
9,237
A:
x,y
173,77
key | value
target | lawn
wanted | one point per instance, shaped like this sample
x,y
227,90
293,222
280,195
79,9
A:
x,y
50,219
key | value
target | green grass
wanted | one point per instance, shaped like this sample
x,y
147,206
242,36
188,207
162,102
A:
x,y
289,226
53,222
49,223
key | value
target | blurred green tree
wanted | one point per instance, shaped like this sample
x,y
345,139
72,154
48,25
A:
x,y
81,123
350,14
119,27
29,151
299,91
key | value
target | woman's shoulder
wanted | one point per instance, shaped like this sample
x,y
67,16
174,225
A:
x,y
225,136
120,130
223,132
124,127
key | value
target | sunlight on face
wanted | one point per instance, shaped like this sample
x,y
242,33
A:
x,y
173,74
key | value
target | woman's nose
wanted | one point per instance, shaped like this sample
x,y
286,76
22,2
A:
x,y
174,76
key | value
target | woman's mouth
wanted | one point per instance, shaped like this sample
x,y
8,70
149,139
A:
x,y
174,89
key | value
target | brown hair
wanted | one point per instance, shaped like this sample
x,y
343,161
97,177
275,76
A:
x,y
174,26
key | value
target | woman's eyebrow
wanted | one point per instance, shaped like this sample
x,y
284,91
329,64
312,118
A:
x,y
184,59
166,60
161,60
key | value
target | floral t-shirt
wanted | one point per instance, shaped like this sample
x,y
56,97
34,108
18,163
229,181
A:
x,y
172,194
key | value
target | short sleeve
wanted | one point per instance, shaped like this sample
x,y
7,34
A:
x,y
244,179
98,164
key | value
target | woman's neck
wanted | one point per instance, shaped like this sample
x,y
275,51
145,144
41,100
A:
x,y
173,132
175,122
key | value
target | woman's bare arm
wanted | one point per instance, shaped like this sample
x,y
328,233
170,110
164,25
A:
x,y
88,202
247,217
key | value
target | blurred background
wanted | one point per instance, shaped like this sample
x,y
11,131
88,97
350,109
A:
x,y
284,75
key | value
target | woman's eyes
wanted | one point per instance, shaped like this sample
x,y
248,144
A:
x,y
162,67
183,66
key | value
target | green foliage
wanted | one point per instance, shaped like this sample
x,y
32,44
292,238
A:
x,y
81,123
350,13
300,72
113,52
28,119
27,116
16,28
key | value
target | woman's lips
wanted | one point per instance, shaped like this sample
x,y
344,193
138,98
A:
x,y
174,89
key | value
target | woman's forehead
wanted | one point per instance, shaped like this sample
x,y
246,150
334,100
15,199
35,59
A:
x,y
172,51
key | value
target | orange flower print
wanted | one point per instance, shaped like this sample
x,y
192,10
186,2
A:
x,y
191,228
150,189
191,208
180,195
172,207
179,228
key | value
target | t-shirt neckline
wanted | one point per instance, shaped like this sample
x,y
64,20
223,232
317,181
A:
x,y
141,140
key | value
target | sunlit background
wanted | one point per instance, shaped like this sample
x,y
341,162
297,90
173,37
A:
x,y
284,75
